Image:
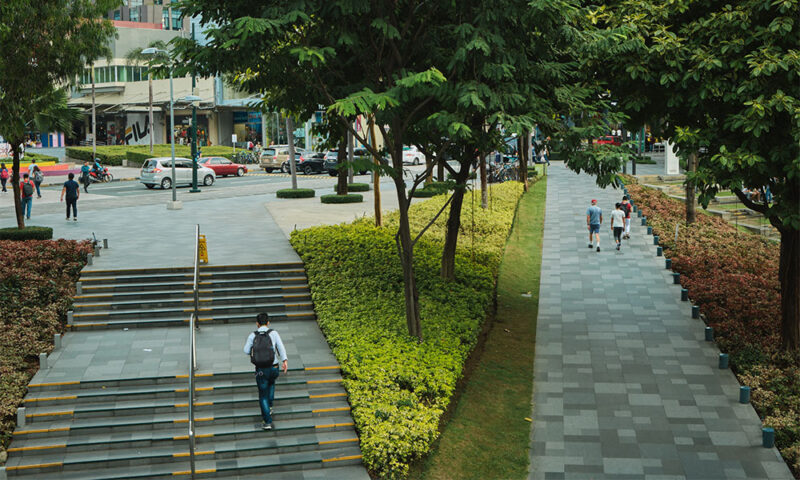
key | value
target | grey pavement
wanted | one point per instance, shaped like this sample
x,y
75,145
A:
x,y
624,384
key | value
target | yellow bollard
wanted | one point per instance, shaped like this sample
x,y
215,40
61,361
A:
x,y
202,250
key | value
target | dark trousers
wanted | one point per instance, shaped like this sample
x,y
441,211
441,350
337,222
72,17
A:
x,y
72,202
86,182
3,181
265,380
618,234
38,190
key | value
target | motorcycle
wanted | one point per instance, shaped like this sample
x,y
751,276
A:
x,y
100,176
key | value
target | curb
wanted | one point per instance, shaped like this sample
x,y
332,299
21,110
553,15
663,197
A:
x,y
112,181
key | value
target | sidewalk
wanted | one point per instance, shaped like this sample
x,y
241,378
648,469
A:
x,y
624,384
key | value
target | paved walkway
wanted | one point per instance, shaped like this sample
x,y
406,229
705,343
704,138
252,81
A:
x,y
625,385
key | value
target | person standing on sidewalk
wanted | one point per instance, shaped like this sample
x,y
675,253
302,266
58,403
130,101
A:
x,y
4,174
267,353
73,192
38,178
594,217
618,223
85,176
26,189
626,209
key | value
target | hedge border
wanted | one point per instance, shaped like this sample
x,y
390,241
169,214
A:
x,y
356,187
296,193
349,198
27,233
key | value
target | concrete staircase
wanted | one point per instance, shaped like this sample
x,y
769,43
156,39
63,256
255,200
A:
x,y
137,427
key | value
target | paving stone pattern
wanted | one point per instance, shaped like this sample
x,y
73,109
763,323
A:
x,y
625,386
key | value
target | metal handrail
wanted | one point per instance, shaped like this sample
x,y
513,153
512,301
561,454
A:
x,y
192,346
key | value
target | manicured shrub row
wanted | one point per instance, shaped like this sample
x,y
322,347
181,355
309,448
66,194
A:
x,y
34,156
399,388
356,187
733,277
349,198
27,233
433,189
37,282
137,154
295,193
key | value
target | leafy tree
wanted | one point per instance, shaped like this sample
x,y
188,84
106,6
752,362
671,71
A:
x,y
135,57
727,78
44,44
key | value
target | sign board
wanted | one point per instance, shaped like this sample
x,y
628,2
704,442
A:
x,y
234,139
202,249
671,163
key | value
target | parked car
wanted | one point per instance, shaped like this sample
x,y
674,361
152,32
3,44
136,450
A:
x,y
158,171
332,157
272,157
412,155
609,140
223,167
307,162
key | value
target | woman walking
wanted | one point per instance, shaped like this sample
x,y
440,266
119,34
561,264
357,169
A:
x,y
3,176
38,178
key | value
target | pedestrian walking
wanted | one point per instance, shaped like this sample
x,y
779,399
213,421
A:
x,y
618,223
4,174
85,176
26,189
627,208
73,191
38,178
31,166
594,218
267,354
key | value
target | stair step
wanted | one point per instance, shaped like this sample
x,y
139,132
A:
x,y
214,317
186,310
182,293
189,276
185,301
183,285
203,269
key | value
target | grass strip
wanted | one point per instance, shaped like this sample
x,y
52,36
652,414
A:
x,y
487,436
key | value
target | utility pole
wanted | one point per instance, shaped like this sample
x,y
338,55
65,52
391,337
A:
x,y
290,138
195,152
94,118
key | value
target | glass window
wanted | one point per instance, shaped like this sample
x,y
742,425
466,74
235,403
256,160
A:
x,y
134,12
117,15
99,75
177,22
165,19
122,74
137,74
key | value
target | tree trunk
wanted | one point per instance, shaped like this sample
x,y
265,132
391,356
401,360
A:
x,y
440,173
691,208
376,177
15,142
524,154
448,268
484,181
789,275
150,110
350,141
342,173
290,141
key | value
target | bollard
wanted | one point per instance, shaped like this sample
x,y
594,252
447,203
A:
x,y
668,263
105,243
96,251
744,394
655,239
695,311
684,294
723,361
57,340
78,288
69,317
768,437
676,278
639,213
659,251
89,259
649,230
21,416
42,360
634,207
644,221
709,334
3,475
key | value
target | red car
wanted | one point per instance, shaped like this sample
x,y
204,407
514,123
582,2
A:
x,y
222,166
609,140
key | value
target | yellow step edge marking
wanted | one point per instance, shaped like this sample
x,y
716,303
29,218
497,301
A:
x,y
340,459
36,465
332,367
314,382
51,384
205,319
192,310
186,437
202,389
196,404
42,430
301,314
298,304
188,472
186,454
343,440
46,414
199,300
334,425
328,395
337,409
48,399
40,447
196,375
186,420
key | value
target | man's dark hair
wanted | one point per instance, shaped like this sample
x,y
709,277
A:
x,y
24,175
624,197
618,205
262,318
71,176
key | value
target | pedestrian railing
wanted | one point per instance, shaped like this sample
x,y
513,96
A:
x,y
193,346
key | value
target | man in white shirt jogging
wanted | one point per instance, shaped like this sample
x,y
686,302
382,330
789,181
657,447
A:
x,y
618,223
267,354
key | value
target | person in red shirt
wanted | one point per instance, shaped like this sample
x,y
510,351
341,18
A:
x,y
626,209
26,190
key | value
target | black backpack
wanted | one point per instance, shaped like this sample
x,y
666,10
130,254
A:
x,y
262,355
27,189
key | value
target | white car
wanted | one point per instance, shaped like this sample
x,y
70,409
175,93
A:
x,y
412,156
158,172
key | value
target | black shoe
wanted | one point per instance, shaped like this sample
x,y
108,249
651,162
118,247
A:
x,y
590,245
598,249
617,246
266,426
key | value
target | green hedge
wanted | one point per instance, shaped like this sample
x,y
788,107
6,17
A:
x,y
38,157
296,193
433,189
399,388
107,155
137,154
356,187
349,198
27,233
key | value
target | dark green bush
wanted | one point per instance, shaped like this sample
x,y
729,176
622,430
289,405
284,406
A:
x,y
27,233
349,198
137,154
356,187
38,157
295,193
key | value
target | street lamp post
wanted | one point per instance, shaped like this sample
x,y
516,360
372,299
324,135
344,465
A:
x,y
174,204
195,149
